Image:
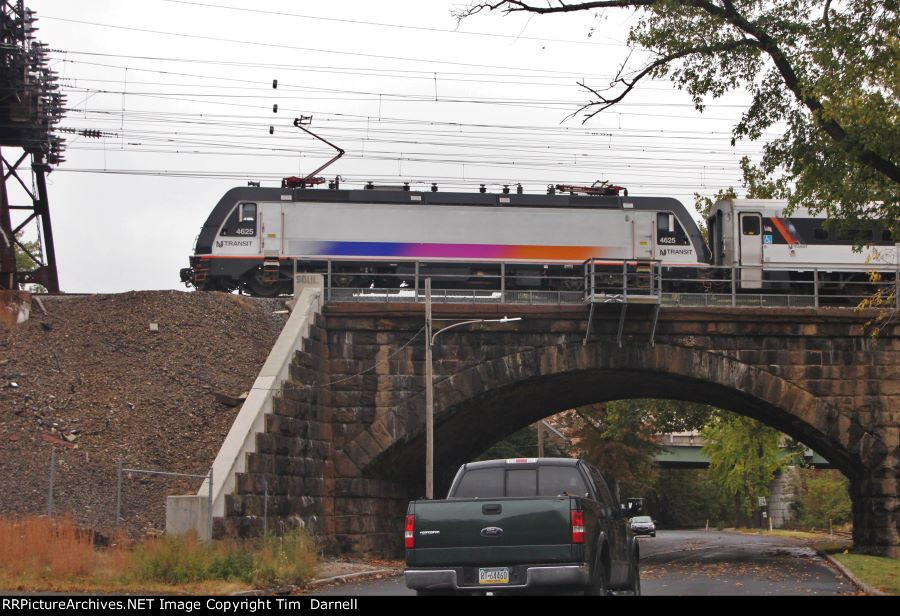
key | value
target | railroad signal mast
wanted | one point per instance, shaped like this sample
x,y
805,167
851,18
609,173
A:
x,y
30,108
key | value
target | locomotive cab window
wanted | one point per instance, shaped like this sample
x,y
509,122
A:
x,y
248,212
241,221
669,231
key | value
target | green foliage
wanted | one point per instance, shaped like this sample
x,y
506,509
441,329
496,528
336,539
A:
x,y
523,444
25,263
688,498
825,499
823,74
617,437
174,559
743,457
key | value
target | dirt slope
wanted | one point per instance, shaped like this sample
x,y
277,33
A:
x,y
94,381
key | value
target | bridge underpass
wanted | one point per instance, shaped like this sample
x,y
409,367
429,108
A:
x,y
343,448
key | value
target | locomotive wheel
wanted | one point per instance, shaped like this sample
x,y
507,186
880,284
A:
x,y
255,285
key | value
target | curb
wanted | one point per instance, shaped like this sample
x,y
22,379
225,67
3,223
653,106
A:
x,y
350,577
869,590
338,579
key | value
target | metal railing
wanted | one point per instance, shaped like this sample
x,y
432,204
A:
x,y
601,280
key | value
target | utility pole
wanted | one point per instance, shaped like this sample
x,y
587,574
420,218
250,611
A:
x,y
429,398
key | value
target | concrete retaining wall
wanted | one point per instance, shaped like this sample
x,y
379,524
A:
x,y
251,420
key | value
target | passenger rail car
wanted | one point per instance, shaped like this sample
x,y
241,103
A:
x,y
774,250
255,238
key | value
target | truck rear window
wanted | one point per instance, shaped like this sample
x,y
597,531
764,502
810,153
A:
x,y
496,482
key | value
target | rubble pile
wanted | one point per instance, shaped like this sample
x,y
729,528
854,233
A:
x,y
142,378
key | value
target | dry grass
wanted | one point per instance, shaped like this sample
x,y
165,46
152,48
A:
x,y
45,548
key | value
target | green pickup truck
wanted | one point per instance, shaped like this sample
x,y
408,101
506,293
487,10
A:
x,y
525,524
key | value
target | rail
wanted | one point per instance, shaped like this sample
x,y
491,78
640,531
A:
x,y
609,281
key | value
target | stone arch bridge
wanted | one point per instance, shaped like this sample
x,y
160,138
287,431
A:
x,y
344,448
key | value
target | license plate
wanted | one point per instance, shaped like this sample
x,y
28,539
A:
x,y
493,575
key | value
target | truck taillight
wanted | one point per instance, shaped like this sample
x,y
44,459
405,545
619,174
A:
x,y
409,535
577,527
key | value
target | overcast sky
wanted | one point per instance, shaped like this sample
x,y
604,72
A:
x,y
183,93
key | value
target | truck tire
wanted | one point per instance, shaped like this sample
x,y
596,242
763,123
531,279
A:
x,y
635,577
599,579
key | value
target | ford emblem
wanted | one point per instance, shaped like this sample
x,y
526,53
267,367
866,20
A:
x,y
491,531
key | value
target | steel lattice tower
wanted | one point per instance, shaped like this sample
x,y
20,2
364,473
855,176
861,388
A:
x,y
30,107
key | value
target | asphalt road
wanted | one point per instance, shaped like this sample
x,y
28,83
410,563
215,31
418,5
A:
x,y
701,563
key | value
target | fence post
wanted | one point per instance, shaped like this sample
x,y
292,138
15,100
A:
x,y
266,508
52,478
210,503
119,492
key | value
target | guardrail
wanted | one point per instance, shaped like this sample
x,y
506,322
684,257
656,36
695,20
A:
x,y
599,280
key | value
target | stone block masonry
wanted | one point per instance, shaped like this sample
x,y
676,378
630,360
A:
x,y
343,448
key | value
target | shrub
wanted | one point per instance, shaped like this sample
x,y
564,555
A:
x,y
825,499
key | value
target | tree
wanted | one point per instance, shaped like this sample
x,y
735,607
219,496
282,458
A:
x,y
523,444
825,500
743,457
618,437
824,71
25,262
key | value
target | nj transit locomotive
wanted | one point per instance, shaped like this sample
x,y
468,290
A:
x,y
256,237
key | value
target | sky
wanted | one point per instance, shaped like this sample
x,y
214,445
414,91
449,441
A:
x,y
183,93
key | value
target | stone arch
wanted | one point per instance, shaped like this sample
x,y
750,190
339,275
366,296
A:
x,y
481,404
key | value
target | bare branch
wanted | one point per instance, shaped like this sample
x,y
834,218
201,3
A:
x,y
730,14
630,83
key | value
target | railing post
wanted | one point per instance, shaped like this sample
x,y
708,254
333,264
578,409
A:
x,y
503,283
816,287
733,286
416,284
328,282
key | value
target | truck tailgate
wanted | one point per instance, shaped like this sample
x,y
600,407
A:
x,y
463,532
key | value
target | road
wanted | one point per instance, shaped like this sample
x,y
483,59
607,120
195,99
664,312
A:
x,y
702,563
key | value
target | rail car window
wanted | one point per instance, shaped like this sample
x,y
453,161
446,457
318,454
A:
x,y
855,235
750,225
241,221
820,234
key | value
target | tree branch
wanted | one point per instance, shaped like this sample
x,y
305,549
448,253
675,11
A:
x,y
729,13
606,103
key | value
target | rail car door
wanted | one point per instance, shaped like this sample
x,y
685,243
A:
x,y
751,251
271,229
643,242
